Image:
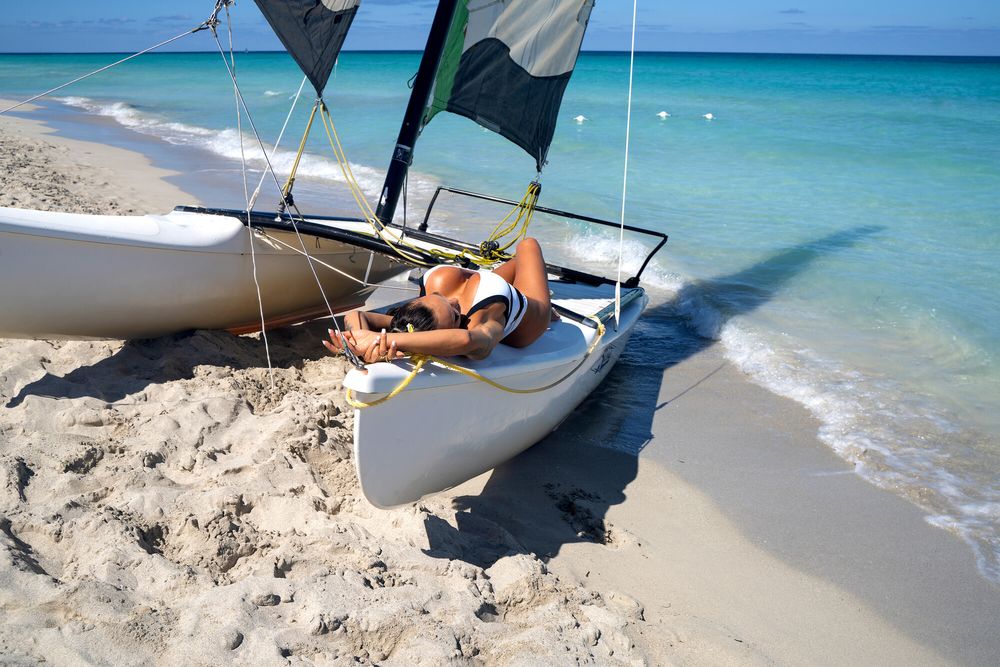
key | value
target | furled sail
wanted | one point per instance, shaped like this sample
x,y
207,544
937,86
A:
x,y
313,31
506,65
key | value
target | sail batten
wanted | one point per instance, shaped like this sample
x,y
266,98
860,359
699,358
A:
x,y
507,64
312,31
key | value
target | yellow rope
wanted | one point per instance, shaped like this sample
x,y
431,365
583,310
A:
x,y
358,194
422,359
298,156
486,257
525,209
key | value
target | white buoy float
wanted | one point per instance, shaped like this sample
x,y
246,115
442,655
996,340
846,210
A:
x,y
708,116
663,115
581,119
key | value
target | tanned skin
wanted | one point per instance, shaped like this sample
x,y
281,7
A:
x,y
450,292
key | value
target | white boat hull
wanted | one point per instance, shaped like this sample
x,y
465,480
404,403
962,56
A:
x,y
446,428
86,276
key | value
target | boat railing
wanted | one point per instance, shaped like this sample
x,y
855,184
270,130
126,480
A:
x,y
631,282
324,226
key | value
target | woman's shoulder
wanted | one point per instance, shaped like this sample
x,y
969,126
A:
x,y
444,276
446,270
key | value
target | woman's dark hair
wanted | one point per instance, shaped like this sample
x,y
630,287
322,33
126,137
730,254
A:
x,y
415,314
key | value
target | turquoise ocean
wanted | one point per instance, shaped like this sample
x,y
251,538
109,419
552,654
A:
x,y
835,224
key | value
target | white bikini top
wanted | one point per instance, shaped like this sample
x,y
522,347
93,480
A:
x,y
492,289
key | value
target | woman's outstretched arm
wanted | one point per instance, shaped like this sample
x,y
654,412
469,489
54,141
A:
x,y
360,319
476,342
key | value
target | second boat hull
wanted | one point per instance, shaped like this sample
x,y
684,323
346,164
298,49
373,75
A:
x,y
78,276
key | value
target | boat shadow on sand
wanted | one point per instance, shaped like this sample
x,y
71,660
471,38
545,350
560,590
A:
x,y
559,491
141,363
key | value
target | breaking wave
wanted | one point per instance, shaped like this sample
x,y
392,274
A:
x,y
600,250
894,437
227,143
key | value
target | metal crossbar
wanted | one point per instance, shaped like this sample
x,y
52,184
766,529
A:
x,y
631,282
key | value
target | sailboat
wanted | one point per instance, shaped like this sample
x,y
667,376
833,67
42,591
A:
x,y
423,424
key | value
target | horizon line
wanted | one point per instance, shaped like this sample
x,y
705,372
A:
x,y
582,52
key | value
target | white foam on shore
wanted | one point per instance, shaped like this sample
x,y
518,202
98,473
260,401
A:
x,y
893,438
226,143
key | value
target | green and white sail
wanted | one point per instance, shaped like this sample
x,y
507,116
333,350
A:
x,y
506,65
312,31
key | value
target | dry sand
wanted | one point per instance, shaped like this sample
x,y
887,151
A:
x,y
160,505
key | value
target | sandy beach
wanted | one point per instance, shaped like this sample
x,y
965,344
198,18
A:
x,y
162,505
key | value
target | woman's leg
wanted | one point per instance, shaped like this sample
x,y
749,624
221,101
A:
x,y
527,273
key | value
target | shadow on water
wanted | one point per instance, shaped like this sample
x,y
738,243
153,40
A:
x,y
559,491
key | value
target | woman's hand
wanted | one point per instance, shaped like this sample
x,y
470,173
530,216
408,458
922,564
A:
x,y
374,347
369,346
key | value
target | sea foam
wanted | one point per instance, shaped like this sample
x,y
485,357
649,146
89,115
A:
x,y
227,143
893,438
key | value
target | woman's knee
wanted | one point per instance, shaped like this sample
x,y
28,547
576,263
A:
x,y
529,243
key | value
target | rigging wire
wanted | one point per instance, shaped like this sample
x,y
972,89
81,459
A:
x,y
358,193
208,23
363,283
246,196
260,142
263,176
286,191
628,131
309,259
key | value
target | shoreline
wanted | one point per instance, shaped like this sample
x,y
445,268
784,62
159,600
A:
x,y
204,177
758,545
750,540
132,176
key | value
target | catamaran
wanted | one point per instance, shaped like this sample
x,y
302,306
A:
x,y
422,424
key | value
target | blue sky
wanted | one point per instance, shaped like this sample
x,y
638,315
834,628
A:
x,y
959,27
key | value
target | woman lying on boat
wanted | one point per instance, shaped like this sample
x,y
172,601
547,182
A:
x,y
459,312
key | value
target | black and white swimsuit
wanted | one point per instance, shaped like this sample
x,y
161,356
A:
x,y
492,289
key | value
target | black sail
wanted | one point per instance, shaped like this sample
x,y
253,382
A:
x,y
506,65
313,32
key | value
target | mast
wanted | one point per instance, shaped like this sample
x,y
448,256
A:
x,y
423,84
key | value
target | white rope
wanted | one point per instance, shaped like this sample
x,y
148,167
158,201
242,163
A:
x,y
106,67
239,113
263,149
246,197
263,177
628,131
363,283
270,169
